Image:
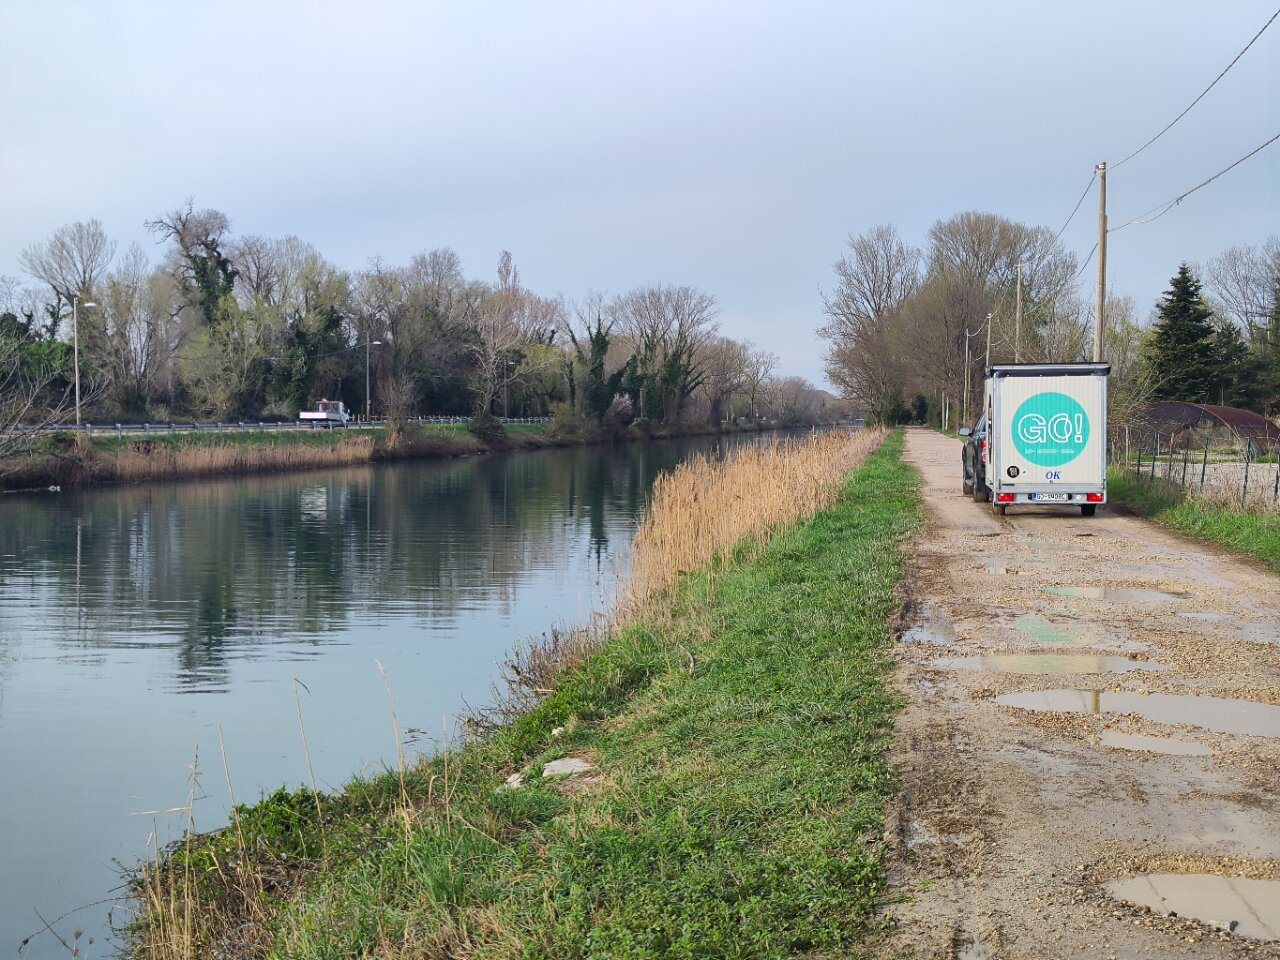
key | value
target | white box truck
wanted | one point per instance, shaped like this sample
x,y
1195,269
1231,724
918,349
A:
x,y
326,413
1047,434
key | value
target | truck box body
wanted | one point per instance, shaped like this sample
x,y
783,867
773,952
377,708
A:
x,y
1047,430
326,413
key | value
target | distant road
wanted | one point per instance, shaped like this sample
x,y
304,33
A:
x,y
148,429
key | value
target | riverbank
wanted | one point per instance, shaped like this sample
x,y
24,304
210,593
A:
x,y
1252,532
726,778
64,460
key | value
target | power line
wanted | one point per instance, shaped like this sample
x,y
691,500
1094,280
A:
x,y
1199,98
1166,207
1084,266
1074,210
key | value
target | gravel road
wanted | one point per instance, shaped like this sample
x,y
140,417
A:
x,y
1017,814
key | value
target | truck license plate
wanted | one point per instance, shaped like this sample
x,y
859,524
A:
x,y
1055,497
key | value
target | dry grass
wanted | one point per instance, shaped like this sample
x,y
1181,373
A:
x,y
705,507
143,461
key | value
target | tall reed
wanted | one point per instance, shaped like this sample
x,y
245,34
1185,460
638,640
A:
x,y
705,507
163,461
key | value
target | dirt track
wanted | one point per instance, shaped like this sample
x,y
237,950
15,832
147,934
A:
x,y
1011,821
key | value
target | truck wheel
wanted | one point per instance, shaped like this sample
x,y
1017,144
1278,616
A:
x,y
1000,509
1088,509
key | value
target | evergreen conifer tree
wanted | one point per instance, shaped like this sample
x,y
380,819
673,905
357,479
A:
x,y
1182,353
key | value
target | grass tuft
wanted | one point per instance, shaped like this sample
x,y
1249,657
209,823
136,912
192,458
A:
x,y
1253,532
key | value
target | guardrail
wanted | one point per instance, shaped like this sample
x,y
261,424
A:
x,y
149,429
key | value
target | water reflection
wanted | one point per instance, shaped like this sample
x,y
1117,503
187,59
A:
x,y
214,570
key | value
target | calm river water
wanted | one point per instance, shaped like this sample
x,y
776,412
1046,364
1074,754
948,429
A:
x,y
137,622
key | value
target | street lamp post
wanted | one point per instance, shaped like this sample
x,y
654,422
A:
x,y
75,343
368,410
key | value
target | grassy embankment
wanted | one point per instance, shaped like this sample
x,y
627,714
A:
x,y
64,459
1254,533
106,458
737,720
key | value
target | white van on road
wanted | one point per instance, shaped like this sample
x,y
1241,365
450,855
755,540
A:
x,y
1046,435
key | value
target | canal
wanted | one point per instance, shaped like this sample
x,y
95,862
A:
x,y
147,631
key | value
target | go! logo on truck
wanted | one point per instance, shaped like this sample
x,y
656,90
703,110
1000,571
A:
x,y
1050,429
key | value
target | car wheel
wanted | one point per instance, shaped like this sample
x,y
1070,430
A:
x,y
966,486
980,493
1088,509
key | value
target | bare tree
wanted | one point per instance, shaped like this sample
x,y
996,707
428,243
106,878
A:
x,y
1243,282
877,275
758,368
724,363
141,331
70,263
668,327
508,319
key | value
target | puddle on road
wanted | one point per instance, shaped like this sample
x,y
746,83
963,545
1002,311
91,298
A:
x,y
1166,745
1252,905
1120,594
1210,713
1266,632
1047,663
1047,634
932,627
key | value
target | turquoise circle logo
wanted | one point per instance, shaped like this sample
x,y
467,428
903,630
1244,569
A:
x,y
1050,429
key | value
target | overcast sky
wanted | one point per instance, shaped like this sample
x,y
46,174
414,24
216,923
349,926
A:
x,y
731,146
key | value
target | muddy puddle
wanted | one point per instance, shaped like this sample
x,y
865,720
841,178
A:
x,y
1209,713
1047,663
1045,633
1165,745
933,627
1266,632
1120,594
1245,907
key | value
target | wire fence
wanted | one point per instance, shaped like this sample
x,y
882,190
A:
x,y
1221,468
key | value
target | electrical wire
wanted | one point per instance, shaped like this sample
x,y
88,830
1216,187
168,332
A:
x,y
1084,266
1202,94
1166,207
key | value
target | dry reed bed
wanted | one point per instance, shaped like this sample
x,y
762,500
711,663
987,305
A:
x,y
160,462
705,507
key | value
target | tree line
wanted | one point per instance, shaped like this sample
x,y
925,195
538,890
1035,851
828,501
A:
x,y
233,326
910,329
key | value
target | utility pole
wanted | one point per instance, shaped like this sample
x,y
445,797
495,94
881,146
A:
x,y
1017,321
988,363
1100,299
964,407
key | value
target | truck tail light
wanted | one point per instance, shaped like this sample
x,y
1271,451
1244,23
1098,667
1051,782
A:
x,y
1093,497
984,453
1004,498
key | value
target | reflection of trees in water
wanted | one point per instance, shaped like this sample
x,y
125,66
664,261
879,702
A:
x,y
267,559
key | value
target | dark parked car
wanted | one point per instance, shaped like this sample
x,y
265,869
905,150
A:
x,y
973,461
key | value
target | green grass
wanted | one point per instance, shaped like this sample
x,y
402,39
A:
x,y
741,743
1256,534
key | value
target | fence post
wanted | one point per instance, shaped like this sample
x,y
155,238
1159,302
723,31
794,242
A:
x,y
1248,455
1139,461
1155,457
119,431
1204,467
1275,492
1186,455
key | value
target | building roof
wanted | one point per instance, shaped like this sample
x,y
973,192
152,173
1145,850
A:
x,y
1244,423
